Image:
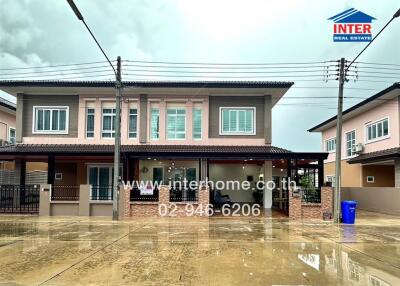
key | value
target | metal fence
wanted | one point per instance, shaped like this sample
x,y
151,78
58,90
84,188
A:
x,y
183,195
19,199
311,195
101,193
136,196
65,193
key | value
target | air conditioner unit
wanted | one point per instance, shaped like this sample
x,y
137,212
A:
x,y
358,148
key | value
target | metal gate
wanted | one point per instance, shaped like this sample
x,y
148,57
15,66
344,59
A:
x,y
19,199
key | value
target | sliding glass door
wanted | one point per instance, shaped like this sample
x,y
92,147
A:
x,y
100,179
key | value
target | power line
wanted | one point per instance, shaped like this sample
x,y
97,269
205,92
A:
x,y
57,74
52,66
53,71
226,64
378,64
229,67
200,76
223,72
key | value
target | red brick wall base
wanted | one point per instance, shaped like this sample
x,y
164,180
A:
x,y
164,207
300,210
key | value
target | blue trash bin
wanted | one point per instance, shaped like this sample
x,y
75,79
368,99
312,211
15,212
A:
x,y
349,212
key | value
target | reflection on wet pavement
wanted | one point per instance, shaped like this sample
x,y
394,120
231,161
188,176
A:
x,y
216,251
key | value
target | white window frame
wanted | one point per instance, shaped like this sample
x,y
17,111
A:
x,y
102,121
9,134
151,124
176,115
201,124
94,120
355,143
237,108
326,145
370,181
129,121
333,179
110,173
367,124
51,108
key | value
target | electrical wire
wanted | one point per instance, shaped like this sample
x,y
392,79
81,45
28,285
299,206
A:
x,y
52,66
226,64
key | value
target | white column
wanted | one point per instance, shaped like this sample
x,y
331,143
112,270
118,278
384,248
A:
x,y
267,178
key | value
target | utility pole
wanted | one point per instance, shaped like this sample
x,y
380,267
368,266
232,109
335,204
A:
x,y
117,122
338,162
117,145
342,78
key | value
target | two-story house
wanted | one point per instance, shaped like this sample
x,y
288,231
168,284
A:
x,y
370,150
169,131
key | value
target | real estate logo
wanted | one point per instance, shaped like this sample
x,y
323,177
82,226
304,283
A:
x,y
352,26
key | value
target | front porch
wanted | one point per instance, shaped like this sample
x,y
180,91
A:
x,y
170,171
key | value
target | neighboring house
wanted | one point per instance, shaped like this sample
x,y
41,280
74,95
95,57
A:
x,y
370,143
169,131
7,122
7,129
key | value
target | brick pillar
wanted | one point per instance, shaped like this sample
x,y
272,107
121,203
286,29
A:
x,y
204,198
163,195
124,202
294,206
326,200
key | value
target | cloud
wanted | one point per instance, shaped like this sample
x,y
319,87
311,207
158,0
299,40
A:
x,y
46,32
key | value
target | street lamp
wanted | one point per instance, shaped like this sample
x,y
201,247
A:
x,y
118,87
342,78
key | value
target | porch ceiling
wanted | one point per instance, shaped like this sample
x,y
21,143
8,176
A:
x,y
183,151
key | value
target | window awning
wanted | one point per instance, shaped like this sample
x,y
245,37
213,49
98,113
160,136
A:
x,y
378,156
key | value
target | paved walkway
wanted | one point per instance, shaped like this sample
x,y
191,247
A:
x,y
216,251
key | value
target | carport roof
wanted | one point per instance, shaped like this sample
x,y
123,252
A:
x,y
186,151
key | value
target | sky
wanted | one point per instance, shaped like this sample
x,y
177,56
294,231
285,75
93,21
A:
x,y
46,32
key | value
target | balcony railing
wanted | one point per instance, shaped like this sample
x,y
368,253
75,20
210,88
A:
x,y
311,195
101,193
136,196
183,195
65,193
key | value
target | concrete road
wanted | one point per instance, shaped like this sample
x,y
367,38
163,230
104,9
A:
x,y
197,251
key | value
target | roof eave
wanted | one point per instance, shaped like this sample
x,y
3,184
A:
x,y
332,121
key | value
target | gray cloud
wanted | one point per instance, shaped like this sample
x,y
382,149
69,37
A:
x,y
44,32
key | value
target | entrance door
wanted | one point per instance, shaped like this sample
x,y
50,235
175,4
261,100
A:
x,y
100,179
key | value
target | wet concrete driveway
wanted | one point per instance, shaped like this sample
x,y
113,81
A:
x,y
216,251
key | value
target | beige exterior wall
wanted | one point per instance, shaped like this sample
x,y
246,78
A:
x,y
228,101
389,109
7,121
36,166
29,101
351,174
209,106
376,199
383,175
68,172
7,165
